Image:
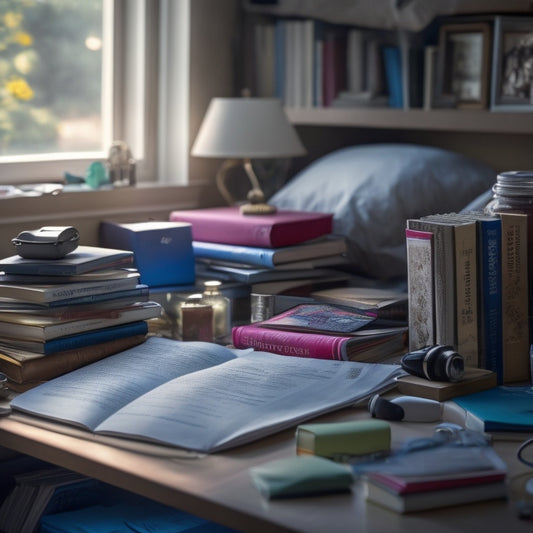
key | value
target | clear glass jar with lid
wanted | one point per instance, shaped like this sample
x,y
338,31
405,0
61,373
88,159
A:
x,y
512,193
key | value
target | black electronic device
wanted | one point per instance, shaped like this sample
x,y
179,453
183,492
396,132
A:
x,y
48,242
436,363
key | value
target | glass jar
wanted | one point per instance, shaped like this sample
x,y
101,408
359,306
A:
x,y
221,309
512,193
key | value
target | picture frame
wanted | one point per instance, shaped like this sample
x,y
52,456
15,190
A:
x,y
463,72
512,68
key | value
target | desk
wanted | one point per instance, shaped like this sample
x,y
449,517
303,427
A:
x,y
218,487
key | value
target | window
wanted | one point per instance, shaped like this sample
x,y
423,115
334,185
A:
x,y
76,75
52,77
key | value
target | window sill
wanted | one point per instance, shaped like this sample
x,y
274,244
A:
x,y
85,209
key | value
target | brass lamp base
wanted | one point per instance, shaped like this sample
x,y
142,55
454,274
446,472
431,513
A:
x,y
257,209
256,199
256,204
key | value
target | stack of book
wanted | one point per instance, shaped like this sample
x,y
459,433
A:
x,y
252,249
468,287
326,331
43,491
484,478
54,499
57,315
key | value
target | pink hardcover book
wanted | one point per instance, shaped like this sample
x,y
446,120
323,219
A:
x,y
290,343
373,347
228,225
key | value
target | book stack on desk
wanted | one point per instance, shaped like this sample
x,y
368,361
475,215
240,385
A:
x,y
57,315
469,288
474,474
285,245
326,331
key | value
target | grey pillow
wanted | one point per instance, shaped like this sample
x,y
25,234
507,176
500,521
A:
x,y
479,203
373,189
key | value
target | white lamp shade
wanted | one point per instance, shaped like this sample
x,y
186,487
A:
x,y
246,128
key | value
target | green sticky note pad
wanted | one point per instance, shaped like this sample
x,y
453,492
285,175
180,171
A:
x,y
357,437
300,476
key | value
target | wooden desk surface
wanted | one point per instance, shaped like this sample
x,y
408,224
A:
x,y
218,487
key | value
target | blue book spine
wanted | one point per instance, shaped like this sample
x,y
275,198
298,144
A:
x,y
490,237
262,257
393,73
96,336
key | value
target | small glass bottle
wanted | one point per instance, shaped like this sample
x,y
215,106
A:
x,y
221,309
196,319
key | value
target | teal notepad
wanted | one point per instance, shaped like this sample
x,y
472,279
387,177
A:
x,y
503,408
300,476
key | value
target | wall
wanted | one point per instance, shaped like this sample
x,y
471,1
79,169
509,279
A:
x,y
213,47
501,151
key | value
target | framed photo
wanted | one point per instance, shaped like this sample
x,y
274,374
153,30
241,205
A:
x,y
512,70
463,66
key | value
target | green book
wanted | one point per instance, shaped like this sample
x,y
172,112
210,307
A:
x,y
356,437
298,476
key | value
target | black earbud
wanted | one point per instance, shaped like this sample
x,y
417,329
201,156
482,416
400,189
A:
x,y
385,409
408,408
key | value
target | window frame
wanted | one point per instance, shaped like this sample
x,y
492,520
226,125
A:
x,y
133,62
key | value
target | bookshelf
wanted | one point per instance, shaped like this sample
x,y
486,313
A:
x,y
415,119
269,51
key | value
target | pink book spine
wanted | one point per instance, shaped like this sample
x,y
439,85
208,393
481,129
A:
x,y
334,68
406,487
289,342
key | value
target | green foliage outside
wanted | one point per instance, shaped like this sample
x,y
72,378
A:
x,y
48,74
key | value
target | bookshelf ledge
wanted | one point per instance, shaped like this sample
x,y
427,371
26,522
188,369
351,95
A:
x,y
481,121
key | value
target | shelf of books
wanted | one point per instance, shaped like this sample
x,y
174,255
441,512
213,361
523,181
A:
x,y
343,75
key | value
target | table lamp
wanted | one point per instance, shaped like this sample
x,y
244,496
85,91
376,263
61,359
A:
x,y
241,129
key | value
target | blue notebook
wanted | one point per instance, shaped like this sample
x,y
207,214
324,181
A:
x,y
503,408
